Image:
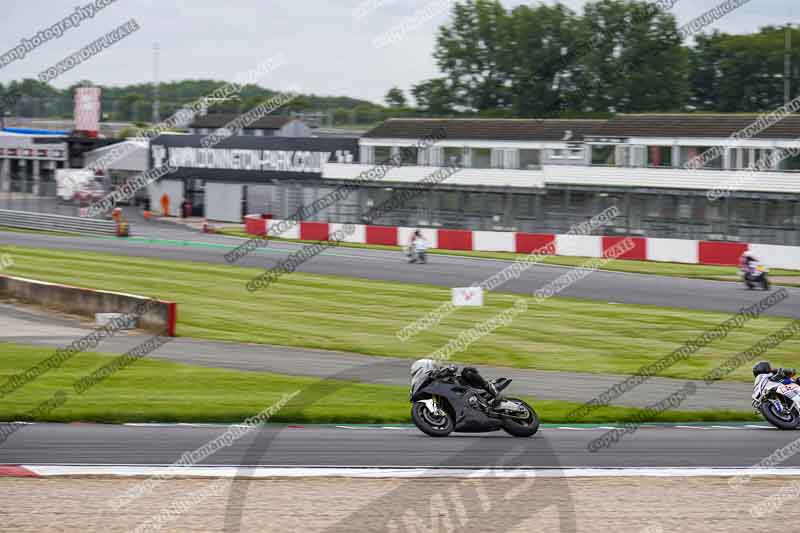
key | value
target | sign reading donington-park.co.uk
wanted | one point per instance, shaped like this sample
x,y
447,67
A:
x,y
254,154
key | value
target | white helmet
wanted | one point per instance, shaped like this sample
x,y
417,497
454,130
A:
x,y
422,366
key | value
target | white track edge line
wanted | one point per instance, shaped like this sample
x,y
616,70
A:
x,y
395,472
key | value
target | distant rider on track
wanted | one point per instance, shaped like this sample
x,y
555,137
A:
x,y
417,248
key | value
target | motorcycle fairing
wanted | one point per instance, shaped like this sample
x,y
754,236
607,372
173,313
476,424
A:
x,y
762,385
467,418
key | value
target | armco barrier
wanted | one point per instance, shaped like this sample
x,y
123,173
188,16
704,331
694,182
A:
x,y
159,318
644,249
45,221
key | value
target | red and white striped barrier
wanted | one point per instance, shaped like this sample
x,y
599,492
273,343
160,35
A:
x,y
644,249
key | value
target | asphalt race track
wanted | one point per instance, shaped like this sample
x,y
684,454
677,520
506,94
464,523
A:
x,y
707,446
362,446
447,271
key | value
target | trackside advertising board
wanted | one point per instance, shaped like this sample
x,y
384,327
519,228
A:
x,y
251,159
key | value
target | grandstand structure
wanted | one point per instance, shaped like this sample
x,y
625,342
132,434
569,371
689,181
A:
x,y
546,175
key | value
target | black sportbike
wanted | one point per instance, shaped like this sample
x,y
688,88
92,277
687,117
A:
x,y
444,401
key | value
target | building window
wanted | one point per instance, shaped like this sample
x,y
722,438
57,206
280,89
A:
x,y
529,159
557,153
789,162
473,203
702,153
575,153
409,155
481,158
382,153
745,154
659,156
604,155
763,159
453,156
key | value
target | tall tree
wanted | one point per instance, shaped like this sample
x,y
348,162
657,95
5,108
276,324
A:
x,y
395,98
742,72
469,52
635,61
535,57
434,97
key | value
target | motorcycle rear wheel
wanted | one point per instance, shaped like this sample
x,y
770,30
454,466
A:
x,y
434,425
521,428
790,421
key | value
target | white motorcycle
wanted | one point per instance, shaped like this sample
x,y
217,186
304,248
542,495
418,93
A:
x,y
417,251
777,402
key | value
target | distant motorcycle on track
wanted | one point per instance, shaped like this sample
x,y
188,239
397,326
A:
x,y
776,395
417,256
756,276
444,401
417,250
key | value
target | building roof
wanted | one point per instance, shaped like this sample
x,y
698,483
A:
x,y
718,125
134,155
133,143
649,125
220,120
489,129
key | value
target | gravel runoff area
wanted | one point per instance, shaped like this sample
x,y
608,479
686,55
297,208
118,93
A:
x,y
639,505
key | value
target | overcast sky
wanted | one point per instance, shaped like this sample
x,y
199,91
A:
x,y
329,45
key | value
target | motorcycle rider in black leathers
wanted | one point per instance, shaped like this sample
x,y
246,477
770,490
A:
x,y
474,378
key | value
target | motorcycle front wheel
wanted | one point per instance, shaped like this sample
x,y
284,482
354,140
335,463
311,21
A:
x,y
435,425
521,427
786,418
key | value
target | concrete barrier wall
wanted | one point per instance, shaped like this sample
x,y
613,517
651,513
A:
x,y
158,317
721,253
673,250
579,245
645,249
494,241
776,256
431,235
293,231
358,236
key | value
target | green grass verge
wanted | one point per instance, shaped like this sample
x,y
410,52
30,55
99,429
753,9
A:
x,y
158,391
655,268
363,316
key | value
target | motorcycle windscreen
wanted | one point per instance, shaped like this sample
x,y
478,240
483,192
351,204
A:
x,y
420,372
